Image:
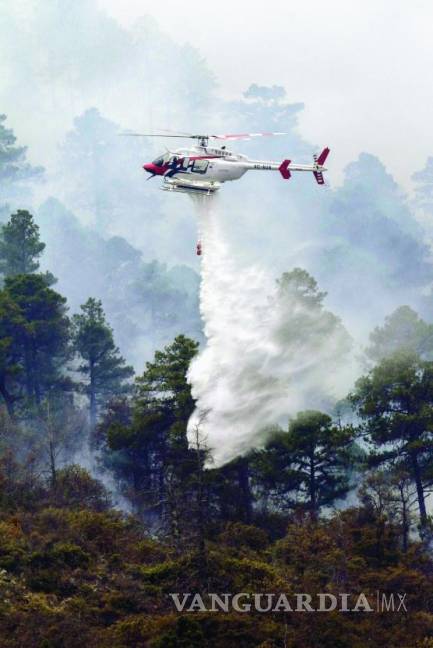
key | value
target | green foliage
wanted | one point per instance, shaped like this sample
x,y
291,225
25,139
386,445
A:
x,y
36,348
101,531
300,284
158,574
12,330
240,535
152,302
424,186
12,546
150,437
20,245
163,387
72,567
103,367
395,401
389,494
76,488
14,169
308,466
307,327
58,556
187,633
97,575
265,93
403,330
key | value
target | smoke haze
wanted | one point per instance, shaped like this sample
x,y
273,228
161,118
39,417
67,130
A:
x,y
73,77
269,352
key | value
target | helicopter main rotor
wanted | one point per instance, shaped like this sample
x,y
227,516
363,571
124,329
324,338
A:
x,y
203,140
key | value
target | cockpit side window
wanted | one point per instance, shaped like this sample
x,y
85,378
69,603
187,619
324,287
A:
x,y
200,166
158,162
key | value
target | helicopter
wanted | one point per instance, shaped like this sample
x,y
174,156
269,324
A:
x,y
202,169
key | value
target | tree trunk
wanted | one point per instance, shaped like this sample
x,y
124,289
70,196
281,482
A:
x,y
245,490
173,499
36,376
160,468
28,370
53,468
405,525
313,489
201,545
419,490
8,398
92,396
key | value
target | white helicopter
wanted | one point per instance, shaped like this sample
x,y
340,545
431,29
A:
x,y
201,169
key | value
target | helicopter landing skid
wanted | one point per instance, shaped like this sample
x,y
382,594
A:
x,y
203,188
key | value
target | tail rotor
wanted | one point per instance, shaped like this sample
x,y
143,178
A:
x,y
319,161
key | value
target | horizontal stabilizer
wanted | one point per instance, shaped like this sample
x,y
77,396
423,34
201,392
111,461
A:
x,y
284,169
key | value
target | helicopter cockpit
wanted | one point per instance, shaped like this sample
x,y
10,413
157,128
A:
x,y
161,160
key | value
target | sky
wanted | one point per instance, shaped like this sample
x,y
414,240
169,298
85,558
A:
x,y
363,69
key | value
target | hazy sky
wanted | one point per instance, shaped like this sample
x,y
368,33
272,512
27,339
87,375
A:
x,y
363,69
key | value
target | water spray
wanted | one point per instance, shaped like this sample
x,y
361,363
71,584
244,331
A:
x,y
266,357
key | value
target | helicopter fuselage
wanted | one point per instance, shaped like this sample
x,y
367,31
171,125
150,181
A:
x,y
202,169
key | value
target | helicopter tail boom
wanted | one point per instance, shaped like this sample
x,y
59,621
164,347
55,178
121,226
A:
x,y
316,168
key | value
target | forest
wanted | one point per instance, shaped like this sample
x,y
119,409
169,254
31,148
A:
x,y
106,508
109,503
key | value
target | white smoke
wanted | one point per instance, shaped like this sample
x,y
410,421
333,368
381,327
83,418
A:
x,y
265,358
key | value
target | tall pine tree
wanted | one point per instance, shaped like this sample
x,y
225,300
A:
x,y
103,366
12,329
20,245
36,326
15,171
395,403
307,467
150,440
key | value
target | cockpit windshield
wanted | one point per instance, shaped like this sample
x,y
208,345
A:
x,y
159,161
162,159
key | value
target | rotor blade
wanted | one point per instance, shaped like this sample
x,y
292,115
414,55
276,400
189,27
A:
x,y
167,130
227,137
154,135
245,136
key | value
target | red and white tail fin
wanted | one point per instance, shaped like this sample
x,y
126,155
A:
x,y
322,157
319,161
317,168
284,169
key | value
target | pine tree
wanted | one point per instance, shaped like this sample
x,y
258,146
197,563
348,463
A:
x,y
12,329
154,459
423,181
103,366
402,330
308,466
20,245
395,402
39,335
14,168
300,284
